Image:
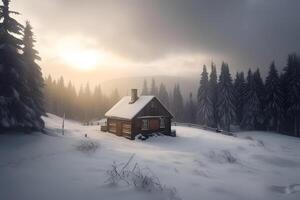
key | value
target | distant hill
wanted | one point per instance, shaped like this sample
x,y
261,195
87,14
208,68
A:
x,y
124,85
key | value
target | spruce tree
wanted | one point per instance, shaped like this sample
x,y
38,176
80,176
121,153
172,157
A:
x,y
87,102
239,91
274,99
190,110
213,94
80,103
226,98
34,76
48,92
145,90
154,90
61,98
98,99
259,87
177,105
163,95
205,111
252,111
15,101
291,79
71,96
114,97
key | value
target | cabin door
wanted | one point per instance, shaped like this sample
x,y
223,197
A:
x,y
154,124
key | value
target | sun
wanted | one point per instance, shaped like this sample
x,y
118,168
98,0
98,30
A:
x,y
83,53
79,52
83,59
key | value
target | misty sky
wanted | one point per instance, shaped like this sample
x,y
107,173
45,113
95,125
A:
x,y
166,37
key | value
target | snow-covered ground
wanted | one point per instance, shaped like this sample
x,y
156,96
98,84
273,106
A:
x,y
199,164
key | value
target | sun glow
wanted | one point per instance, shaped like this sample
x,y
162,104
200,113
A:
x,y
80,53
85,53
83,59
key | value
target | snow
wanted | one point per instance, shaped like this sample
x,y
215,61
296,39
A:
x,y
198,163
123,109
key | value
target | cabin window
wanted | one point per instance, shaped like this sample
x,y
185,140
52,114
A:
x,y
145,124
162,123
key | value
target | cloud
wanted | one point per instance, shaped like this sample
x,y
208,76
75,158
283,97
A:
x,y
243,32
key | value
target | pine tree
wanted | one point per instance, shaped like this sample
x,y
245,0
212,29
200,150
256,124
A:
x,y
259,87
34,76
80,104
15,101
291,80
205,107
252,112
61,98
114,97
274,99
71,96
226,98
99,104
154,90
163,95
239,91
48,94
55,101
190,110
213,94
145,90
177,105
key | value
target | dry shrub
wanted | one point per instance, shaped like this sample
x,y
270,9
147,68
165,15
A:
x,y
140,178
223,156
87,146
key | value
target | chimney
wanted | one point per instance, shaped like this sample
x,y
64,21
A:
x,y
134,96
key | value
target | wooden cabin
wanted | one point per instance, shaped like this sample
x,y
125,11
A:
x,y
134,115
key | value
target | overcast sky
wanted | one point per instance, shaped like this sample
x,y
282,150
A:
x,y
174,37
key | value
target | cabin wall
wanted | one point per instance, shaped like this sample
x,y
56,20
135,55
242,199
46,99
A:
x,y
153,108
120,127
154,126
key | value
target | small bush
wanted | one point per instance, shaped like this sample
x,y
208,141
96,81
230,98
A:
x,y
229,157
222,157
87,146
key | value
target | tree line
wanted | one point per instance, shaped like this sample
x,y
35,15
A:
x,y
250,102
85,105
21,82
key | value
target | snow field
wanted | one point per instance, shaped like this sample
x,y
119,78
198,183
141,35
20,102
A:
x,y
199,164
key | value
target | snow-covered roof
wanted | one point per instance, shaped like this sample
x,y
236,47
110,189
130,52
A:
x,y
123,109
